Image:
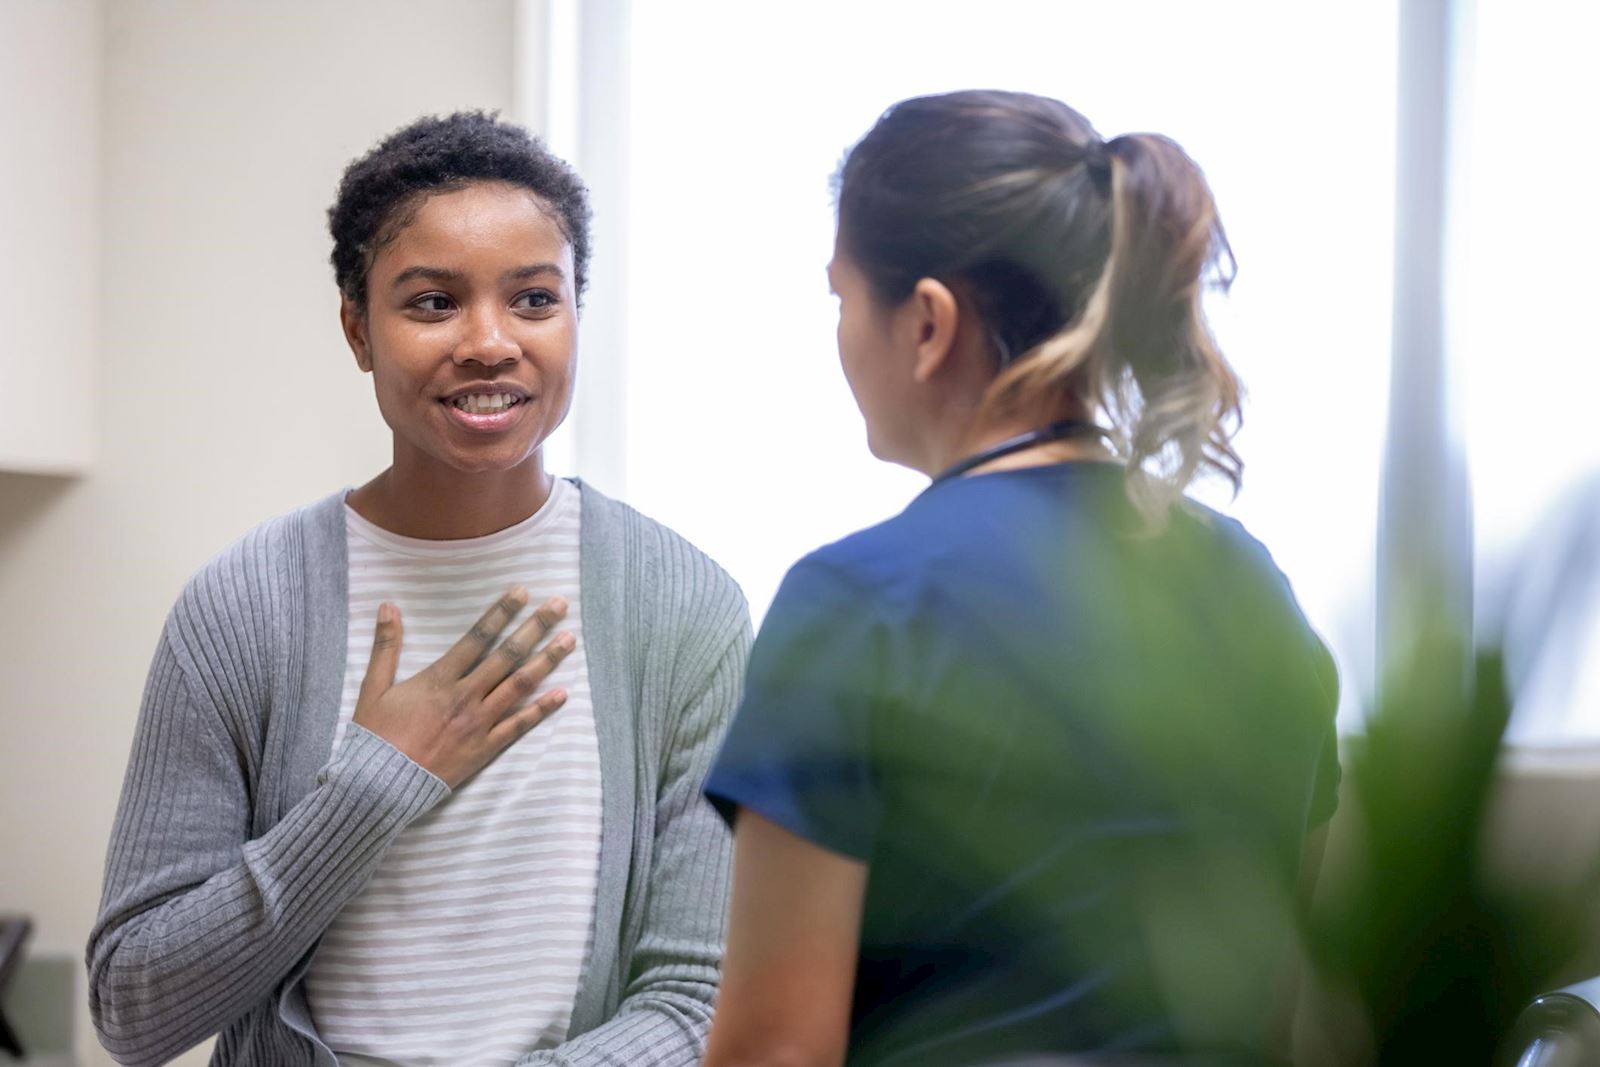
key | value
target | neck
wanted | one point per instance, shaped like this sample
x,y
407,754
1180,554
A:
x,y
432,502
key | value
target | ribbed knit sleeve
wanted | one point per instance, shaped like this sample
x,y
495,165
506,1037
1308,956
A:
x,y
199,922
701,630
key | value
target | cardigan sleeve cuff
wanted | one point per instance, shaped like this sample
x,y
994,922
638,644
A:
x,y
368,771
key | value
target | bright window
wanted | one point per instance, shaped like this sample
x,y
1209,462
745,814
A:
x,y
1521,314
741,431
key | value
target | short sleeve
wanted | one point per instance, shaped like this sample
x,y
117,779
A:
x,y
1325,789
798,752
1325,793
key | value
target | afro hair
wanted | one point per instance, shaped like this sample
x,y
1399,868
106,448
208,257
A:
x,y
380,191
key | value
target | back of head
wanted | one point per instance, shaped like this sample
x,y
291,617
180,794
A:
x,y
1085,259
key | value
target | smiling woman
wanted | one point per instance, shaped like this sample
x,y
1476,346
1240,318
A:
x,y
343,840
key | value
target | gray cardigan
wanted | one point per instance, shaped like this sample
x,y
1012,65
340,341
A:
x,y
237,840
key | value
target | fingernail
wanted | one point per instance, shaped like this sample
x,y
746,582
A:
x,y
386,613
558,604
519,592
567,642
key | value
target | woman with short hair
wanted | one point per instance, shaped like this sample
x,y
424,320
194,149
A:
x,y
366,821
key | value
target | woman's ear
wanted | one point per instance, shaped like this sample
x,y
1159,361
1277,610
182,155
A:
x,y
354,322
935,316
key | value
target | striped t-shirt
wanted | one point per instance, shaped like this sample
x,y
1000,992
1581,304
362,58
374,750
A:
x,y
469,942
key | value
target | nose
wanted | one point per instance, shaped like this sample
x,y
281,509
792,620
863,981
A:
x,y
486,341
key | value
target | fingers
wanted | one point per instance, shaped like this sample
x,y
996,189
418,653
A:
x,y
518,650
385,658
520,721
465,653
513,690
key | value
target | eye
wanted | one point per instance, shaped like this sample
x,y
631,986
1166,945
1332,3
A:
x,y
432,303
534,300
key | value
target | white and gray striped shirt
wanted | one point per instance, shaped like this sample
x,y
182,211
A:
x,y
468,945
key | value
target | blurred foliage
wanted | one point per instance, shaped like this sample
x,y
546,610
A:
x,y
1420,954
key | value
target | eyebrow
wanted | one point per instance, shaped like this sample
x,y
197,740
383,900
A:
x,y
533,270
443,274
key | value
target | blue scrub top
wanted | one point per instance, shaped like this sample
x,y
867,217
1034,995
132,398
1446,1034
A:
x,y
1079,757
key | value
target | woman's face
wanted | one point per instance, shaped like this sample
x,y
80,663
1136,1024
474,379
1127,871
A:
x,y
470,329
872,361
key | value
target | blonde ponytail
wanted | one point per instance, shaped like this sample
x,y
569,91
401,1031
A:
x,y
1141,351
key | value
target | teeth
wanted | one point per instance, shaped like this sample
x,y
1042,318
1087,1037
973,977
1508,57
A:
x,y
485,403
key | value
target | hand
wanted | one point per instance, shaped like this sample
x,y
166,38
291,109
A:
x,y
457,714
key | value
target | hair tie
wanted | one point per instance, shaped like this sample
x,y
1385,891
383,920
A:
x,y
1097,160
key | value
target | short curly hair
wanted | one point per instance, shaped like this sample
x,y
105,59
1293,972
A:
x,y
380,192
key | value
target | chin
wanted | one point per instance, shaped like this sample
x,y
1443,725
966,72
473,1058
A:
x,y
886,450
489,461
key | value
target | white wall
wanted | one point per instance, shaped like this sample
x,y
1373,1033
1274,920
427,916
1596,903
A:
x,y
49,232
225,390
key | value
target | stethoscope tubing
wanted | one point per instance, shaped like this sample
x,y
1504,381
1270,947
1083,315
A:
x,y
1053,432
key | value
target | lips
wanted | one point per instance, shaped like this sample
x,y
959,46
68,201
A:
x,y
486,409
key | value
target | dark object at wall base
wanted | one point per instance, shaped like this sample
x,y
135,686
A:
x,y
14,931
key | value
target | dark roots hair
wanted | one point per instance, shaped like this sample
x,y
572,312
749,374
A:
x,y
1085,260
381,191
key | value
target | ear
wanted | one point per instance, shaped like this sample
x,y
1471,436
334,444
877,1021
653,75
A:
x,y
354,322
935,314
